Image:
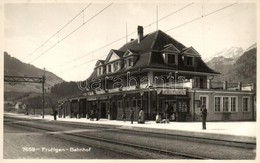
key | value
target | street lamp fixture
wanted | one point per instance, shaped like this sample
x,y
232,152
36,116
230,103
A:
x,y
176,72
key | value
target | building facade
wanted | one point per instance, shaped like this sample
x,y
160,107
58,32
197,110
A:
x,y
155,72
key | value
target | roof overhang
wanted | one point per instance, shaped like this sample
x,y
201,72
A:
x,y
180,71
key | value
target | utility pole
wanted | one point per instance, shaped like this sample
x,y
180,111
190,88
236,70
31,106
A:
x,y
43,81
157,17
26,79
126,32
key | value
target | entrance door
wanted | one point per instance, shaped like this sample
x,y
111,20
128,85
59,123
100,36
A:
x,y
119,109
182,110
114,111
172,105
103,110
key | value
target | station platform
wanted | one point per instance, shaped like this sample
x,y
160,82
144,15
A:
x,y
231,131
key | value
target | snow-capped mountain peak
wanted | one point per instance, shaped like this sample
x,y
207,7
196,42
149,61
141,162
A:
x,y
230,53
251,47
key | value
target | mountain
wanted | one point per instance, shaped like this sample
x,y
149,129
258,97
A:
x,y
244,69
235,65
226,56
14,67
251,47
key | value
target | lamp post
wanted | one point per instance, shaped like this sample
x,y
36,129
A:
x,y
127,79
176,72
43,81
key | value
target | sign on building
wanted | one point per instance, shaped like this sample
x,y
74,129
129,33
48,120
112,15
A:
x,y
174,91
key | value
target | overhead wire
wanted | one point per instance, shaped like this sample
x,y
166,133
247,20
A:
x,y
214,21
64,26
84,23
190,21
123,37
202,16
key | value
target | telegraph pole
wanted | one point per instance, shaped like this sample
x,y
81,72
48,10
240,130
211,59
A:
x,y
43,81
157,17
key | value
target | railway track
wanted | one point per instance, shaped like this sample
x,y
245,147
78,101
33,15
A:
x,y
232,143
140,151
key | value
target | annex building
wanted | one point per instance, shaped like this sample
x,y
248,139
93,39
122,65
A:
x,y
153,71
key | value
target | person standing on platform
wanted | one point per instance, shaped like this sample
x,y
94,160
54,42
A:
x,y
124,117
97,114
168,113
91,117
141,116
132,115
158,118
55,114
204,116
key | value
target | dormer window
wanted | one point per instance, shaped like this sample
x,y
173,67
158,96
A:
x,y
189,61
100,71
109,68
170,58
129,62
117,66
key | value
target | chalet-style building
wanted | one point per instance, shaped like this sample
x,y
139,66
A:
x,y
152,71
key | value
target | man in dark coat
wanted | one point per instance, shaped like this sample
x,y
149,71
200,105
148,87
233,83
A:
x,y
204,116
169,110
132,115
55,114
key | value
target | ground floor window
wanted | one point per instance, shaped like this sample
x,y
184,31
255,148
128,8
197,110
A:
x,y
225,104
137,103
183,107
233,104
204,100
245,104
217,104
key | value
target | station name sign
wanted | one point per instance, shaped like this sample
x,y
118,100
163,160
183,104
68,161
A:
x,y
174,91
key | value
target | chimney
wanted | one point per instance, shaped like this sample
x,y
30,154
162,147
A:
x,y
140,33
239,86
225,85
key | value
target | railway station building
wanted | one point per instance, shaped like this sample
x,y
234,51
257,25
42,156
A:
x,y
156,71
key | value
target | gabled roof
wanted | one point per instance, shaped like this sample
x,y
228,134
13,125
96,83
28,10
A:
x,y
152,42
130,52
119,54
171,48
99,62
149,52
190,51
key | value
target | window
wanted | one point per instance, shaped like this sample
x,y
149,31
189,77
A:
x,y
129,62
119,104
134,103
116,66
203,100
233,104
245,104
217,104
127,104
183,106
225,104
198,82
172,59
100,71
189,61
109,68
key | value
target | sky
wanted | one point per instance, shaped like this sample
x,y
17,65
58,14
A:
x,y
28,27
